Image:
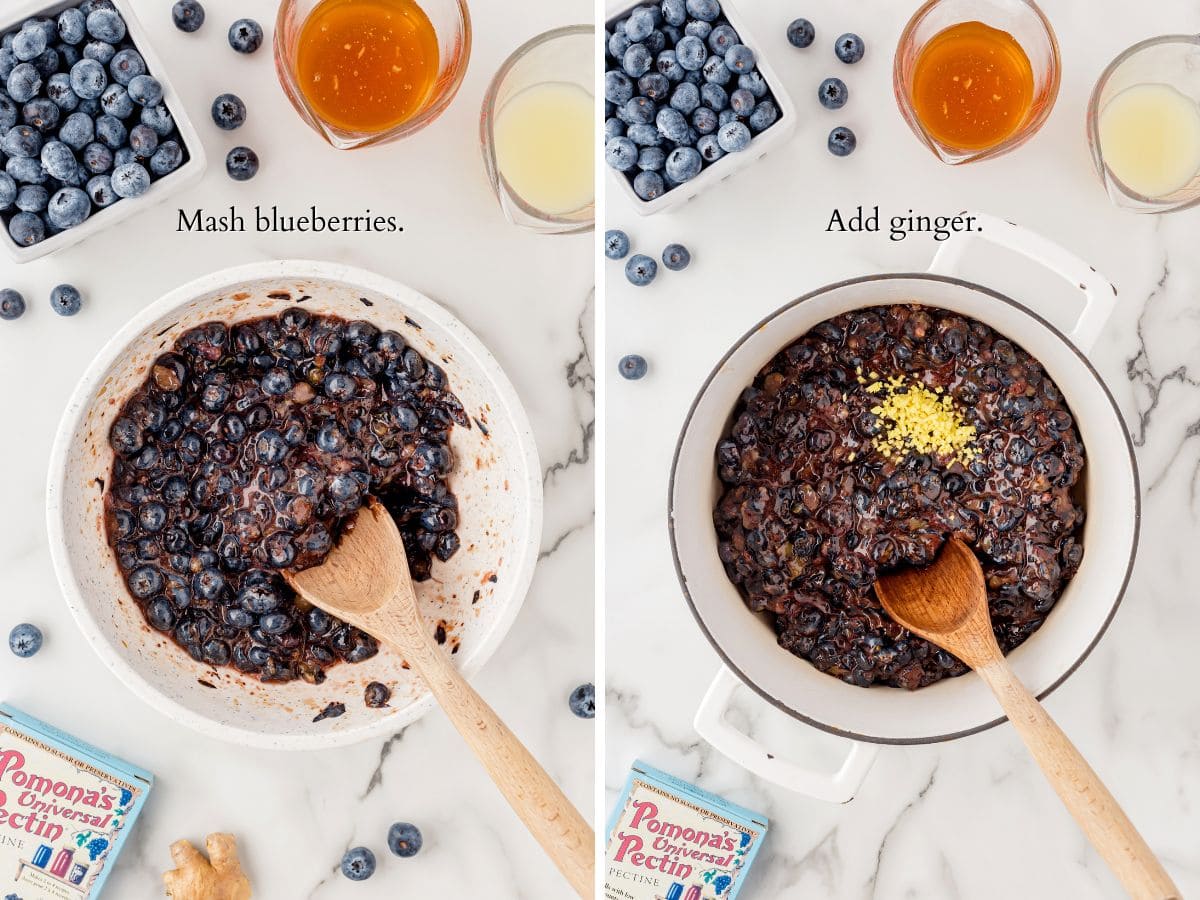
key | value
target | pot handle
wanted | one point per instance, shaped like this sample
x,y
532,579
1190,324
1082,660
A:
x,y
835,787
1100,296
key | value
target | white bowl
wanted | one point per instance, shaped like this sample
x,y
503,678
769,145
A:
x,y
731,163
953,707
181,179
477,594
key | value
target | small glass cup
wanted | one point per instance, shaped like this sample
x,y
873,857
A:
x,y
451,21
1028,25
562,55
1174,60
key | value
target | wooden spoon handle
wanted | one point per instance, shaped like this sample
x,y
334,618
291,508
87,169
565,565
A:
x,y
550,817
1080,789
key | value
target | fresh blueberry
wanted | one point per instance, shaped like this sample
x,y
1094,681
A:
x,y
8,113
698,28
99,51
42,114
583,699
99,189
733,136
618,44
716,72
637,61
709,147
144,90
616,244
58,160
8,61
89,107
143,141
358,864
637,111
765,115
742,102
25,640
167,158
676,257
704,10
685,98
188,15
130,180
705,121
801,33
714,96
97,158
754,83
126,65
672,125
26,170
850,48
8,190
68,208
833,93
123,157
12,304
613,127
654,85
683,164
651,159
241,164
245,36
691,53
68,55
111,132
620,153
639,25
28,44
26,229
644,136
739,58
115,101
668,64
404,839
842,141
640,270
158,118
88,79
24,83
77,131
106,25
674,12
649,185
721,38
618,87
72,26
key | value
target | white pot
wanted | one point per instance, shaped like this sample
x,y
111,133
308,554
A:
x,y
496,478
954,707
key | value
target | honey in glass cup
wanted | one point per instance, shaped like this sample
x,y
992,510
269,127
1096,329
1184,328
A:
x,y
364,72
976,78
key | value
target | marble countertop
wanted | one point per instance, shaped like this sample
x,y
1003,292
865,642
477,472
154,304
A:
x,y
972,818
528,297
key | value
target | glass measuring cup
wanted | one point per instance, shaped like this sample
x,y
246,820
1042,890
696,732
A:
x,y
564,55
1172,60
451,21
1022,19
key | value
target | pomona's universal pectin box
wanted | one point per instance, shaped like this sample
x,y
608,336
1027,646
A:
x,y
66,809
670,840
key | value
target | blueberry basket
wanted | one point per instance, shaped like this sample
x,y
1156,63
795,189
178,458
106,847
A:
x,y
185,175
730,163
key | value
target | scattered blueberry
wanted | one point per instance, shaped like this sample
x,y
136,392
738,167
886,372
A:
x,y
583,698
66,300
800,33
676,257
640,270
25,640
12,304
241,163
842,141
850,48
188,15
404,839
616,244
245,36
833,93
358,864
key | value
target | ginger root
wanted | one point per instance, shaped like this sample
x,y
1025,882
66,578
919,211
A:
x,y
220,877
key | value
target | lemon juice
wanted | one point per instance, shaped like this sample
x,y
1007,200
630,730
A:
x,y
1150,139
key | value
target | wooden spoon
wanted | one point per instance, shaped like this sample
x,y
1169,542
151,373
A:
x,y
365,582
946,603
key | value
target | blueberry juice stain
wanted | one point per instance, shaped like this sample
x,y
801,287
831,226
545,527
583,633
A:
x,y
246,452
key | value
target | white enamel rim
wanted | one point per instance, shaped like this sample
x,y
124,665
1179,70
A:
x,y
796,687
164,188
506,404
